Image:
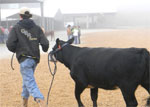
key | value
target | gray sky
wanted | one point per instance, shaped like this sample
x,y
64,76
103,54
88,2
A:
x,y
81,6
86,6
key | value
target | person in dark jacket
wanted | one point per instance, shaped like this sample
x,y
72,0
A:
x,y
24,40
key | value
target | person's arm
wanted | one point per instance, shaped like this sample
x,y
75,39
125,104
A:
x,y
44,41
11,42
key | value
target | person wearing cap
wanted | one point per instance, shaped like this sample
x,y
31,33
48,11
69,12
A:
x,y
24,40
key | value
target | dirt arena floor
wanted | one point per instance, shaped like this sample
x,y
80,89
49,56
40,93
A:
x,y
62,94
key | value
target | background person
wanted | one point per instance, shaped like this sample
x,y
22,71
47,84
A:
x,y
75,32
69,32
6,32
24,40
2,34
79,34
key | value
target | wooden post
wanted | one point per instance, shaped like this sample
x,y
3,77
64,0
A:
x,y
87,22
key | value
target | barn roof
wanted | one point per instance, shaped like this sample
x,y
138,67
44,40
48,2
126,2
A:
x,y
16,16
19,1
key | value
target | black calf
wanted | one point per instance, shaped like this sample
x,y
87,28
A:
x,y
105,68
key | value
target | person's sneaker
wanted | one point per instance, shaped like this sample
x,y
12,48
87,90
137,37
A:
x,y
41,103
24,102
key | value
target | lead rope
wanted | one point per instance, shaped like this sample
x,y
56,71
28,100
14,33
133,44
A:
x,y
53,75
12,61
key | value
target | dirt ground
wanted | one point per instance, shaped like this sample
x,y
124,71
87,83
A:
x,y
62,94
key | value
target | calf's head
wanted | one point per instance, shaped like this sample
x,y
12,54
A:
x,y
56,53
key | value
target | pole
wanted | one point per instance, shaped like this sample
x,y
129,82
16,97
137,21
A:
x,y
42,14
0,14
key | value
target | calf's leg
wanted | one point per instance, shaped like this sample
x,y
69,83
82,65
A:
x,y
94,96
146,86
78,90
129,96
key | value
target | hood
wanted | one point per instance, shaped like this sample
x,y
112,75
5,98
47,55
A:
x,y
26,23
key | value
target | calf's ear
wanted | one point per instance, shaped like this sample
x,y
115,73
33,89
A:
x,y
70,41
57,41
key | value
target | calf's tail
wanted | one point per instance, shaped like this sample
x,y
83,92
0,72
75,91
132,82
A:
x,y
148,100
146,79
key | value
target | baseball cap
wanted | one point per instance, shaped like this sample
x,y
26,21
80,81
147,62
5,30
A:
x,y
25,12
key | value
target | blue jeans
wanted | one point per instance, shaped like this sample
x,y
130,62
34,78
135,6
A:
x,y
76,40
70,36
27,68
